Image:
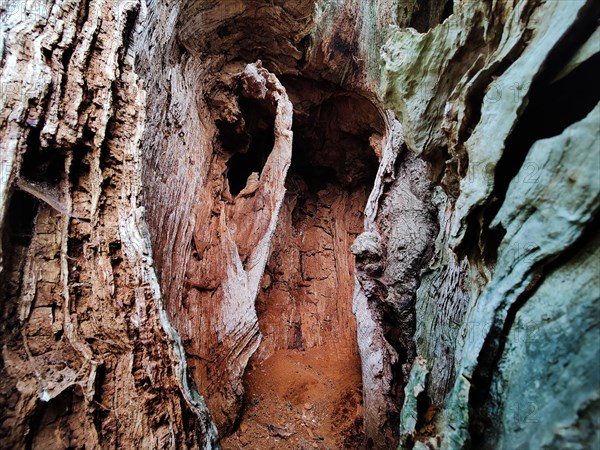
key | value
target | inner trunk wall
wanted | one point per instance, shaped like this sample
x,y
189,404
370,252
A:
x,y
178,145
307,289
516,317
306,295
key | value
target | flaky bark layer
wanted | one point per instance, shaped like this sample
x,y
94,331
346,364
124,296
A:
x,y
89,357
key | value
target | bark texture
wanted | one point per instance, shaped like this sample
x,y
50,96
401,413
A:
x,y
516,216
156,213
89,357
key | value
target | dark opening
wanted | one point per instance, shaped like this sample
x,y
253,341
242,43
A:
x,y
251,143
448,9
21,212
332,142
52,415
555,106
39,164
429,14
16,239
304,307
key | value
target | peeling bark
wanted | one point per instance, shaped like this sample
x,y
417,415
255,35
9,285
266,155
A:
x,y
89,356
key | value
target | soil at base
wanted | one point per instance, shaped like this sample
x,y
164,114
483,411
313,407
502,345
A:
x,y
302,400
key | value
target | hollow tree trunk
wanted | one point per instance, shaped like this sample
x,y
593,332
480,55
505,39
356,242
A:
x,y
161,227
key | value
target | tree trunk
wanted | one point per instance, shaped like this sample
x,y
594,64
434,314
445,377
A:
x,y
191,190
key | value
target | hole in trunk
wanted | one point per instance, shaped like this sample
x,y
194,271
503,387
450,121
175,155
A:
x,y
429,14
252,146
306,374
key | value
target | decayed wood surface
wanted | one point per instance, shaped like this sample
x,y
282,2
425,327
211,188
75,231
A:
x,y
89,357
110,121
231,243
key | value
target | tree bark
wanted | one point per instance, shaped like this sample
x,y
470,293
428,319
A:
x,y
153,240
89,357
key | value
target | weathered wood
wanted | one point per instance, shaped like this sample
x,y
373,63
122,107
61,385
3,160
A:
x,y
89,357
123,227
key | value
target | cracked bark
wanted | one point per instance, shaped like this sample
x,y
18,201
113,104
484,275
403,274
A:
x,y
88,352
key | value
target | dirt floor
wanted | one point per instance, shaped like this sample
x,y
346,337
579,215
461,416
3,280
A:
x,y
302,400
